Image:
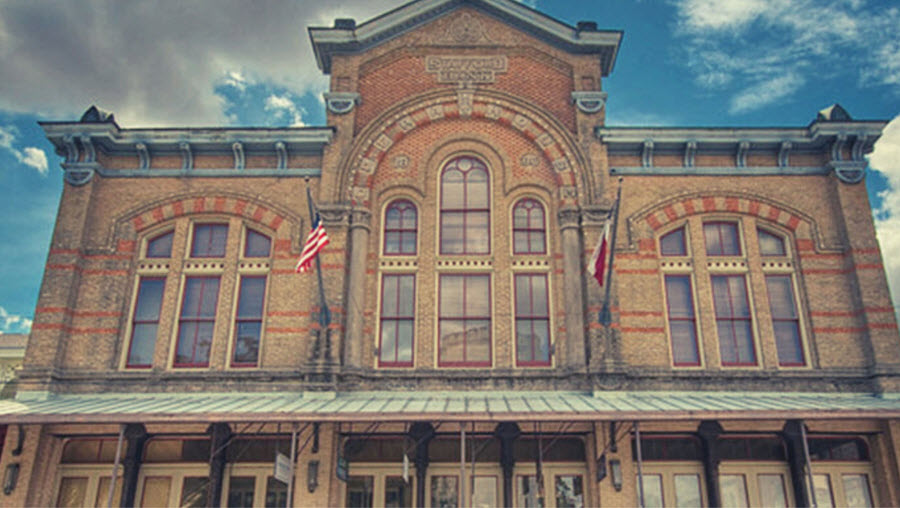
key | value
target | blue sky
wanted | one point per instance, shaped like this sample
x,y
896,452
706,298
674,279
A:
x,y
231,62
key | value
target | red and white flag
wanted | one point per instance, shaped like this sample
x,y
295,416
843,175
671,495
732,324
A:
x,y
597,266
315,242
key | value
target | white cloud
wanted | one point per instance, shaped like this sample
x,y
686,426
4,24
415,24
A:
x,y
158,63
30,156
11,323
284,107
793,42
765,93
36,158
885,158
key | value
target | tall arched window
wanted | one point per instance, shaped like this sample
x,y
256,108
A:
x,y
529,233
465,207
400,228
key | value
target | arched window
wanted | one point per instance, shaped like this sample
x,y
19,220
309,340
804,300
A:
x,y
400,228
160,246
673,244
465,207
529,233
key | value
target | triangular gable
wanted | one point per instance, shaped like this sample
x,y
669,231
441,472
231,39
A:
x,y
345,37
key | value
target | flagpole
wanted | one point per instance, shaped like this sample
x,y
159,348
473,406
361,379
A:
x,y
605,317
324,312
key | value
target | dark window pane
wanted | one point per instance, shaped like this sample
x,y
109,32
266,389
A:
x,y
240,491
145,323
672,244
770,244
193,492
679,297
397,317
668,448
209,240
360,491
257,245
276,493
838,449
160,246
682,324
569,492
722,239
252,295
397,493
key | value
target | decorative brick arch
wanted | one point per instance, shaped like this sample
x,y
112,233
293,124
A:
x,y
658,216
571,169
222,203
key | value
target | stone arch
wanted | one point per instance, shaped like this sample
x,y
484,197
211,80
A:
x,y
573,174
656,217
252,209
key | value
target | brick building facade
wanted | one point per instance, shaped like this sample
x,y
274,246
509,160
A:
x,y
454,354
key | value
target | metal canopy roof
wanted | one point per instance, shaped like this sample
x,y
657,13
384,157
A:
x,y
443,406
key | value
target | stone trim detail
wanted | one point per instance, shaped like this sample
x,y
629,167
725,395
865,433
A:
x,y
219,204
677,209
341,103
589,102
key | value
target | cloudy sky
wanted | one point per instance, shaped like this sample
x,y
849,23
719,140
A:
x,y
233,62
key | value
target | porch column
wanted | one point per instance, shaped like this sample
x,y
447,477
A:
x,y
356,295
421,433
569,225
709,432
793,437
136,436
219,433
507,433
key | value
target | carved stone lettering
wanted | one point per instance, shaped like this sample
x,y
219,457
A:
x,y
465,69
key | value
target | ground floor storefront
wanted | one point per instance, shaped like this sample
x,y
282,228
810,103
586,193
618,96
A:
x,y
423,457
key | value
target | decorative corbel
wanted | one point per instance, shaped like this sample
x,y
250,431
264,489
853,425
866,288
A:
x,y
837,148
281,152
143,155
859,146
784,154
71,148
589,102
340,103
238,148
647,154
90,154
187,158
741,156
690,151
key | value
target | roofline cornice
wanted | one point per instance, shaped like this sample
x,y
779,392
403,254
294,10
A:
x,y
733,135
327,41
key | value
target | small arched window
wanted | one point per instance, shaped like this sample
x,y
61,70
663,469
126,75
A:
x,y
160,246
529,233
257,245
400,228
770,244
465,207
673,244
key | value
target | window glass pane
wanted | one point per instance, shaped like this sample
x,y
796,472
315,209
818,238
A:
x,y
149,299
476,187
672,244
240,491
400,228
733,319
444,491
484,494
733,489
246,342
397,317
252,296
193,491
478,341
653,491
527,492
477,295
452,232
452,190
156,491
824,497
200,296
569,492
687,491
359,491
682,326
72,492
838,449
856,490
721,239
145,323
103,492
477,234
678,296
769,244
143,343
771,490
684,343
160,246
257,245
194,341
195,330
276,493
781,296
209,240
528,227
397,493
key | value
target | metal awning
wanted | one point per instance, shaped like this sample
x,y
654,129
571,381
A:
x,y
386,406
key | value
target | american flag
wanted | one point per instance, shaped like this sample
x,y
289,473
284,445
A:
x,y
315,241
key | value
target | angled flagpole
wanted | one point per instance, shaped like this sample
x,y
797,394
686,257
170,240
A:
x,y
324,312
605,317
